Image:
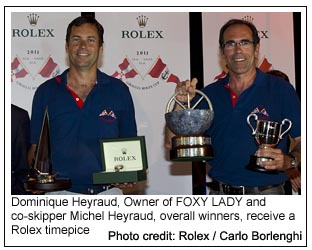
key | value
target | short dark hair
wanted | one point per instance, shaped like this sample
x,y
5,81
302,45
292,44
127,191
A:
x,y
231,22
86,19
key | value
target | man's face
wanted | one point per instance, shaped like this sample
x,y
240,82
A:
x,y
83,47
240,59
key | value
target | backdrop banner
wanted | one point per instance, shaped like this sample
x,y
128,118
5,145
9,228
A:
x,y
147,51
37,51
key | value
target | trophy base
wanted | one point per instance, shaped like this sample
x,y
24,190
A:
x,y
49,178
191,148
254,165
58,184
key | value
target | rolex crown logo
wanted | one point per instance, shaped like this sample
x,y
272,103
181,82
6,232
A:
x,y
33,19
124,151
249,19
142,20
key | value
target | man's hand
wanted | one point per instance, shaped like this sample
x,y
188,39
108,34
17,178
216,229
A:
x,y
127,184
184,88
280,160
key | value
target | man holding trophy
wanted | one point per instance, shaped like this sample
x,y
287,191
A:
x,y
252,112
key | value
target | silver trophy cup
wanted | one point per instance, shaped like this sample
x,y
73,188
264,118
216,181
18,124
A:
x,y
267,134
189,125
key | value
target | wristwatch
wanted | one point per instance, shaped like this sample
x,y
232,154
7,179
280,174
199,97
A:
x,y
293,161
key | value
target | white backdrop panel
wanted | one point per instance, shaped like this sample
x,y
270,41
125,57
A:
x,y
155,48
160,38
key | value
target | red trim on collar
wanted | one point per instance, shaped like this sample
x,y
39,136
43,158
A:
x,y
58,79
77,99
232,94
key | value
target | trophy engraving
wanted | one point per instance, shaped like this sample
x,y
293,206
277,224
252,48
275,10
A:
x,y
267,134
189,125
43,177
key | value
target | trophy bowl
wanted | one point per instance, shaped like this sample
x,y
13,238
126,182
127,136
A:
x,y
189,125
189,121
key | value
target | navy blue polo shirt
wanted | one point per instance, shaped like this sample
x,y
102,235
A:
x,y
76,127
269,97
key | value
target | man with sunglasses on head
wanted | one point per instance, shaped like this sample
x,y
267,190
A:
x,y
243,91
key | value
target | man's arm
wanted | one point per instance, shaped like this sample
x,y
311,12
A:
x,y
294,174
295,149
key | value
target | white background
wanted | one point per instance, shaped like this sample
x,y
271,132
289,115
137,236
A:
x,y
297,203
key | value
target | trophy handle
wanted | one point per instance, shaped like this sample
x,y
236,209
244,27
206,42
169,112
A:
x,y
173,98
249,124
289,126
